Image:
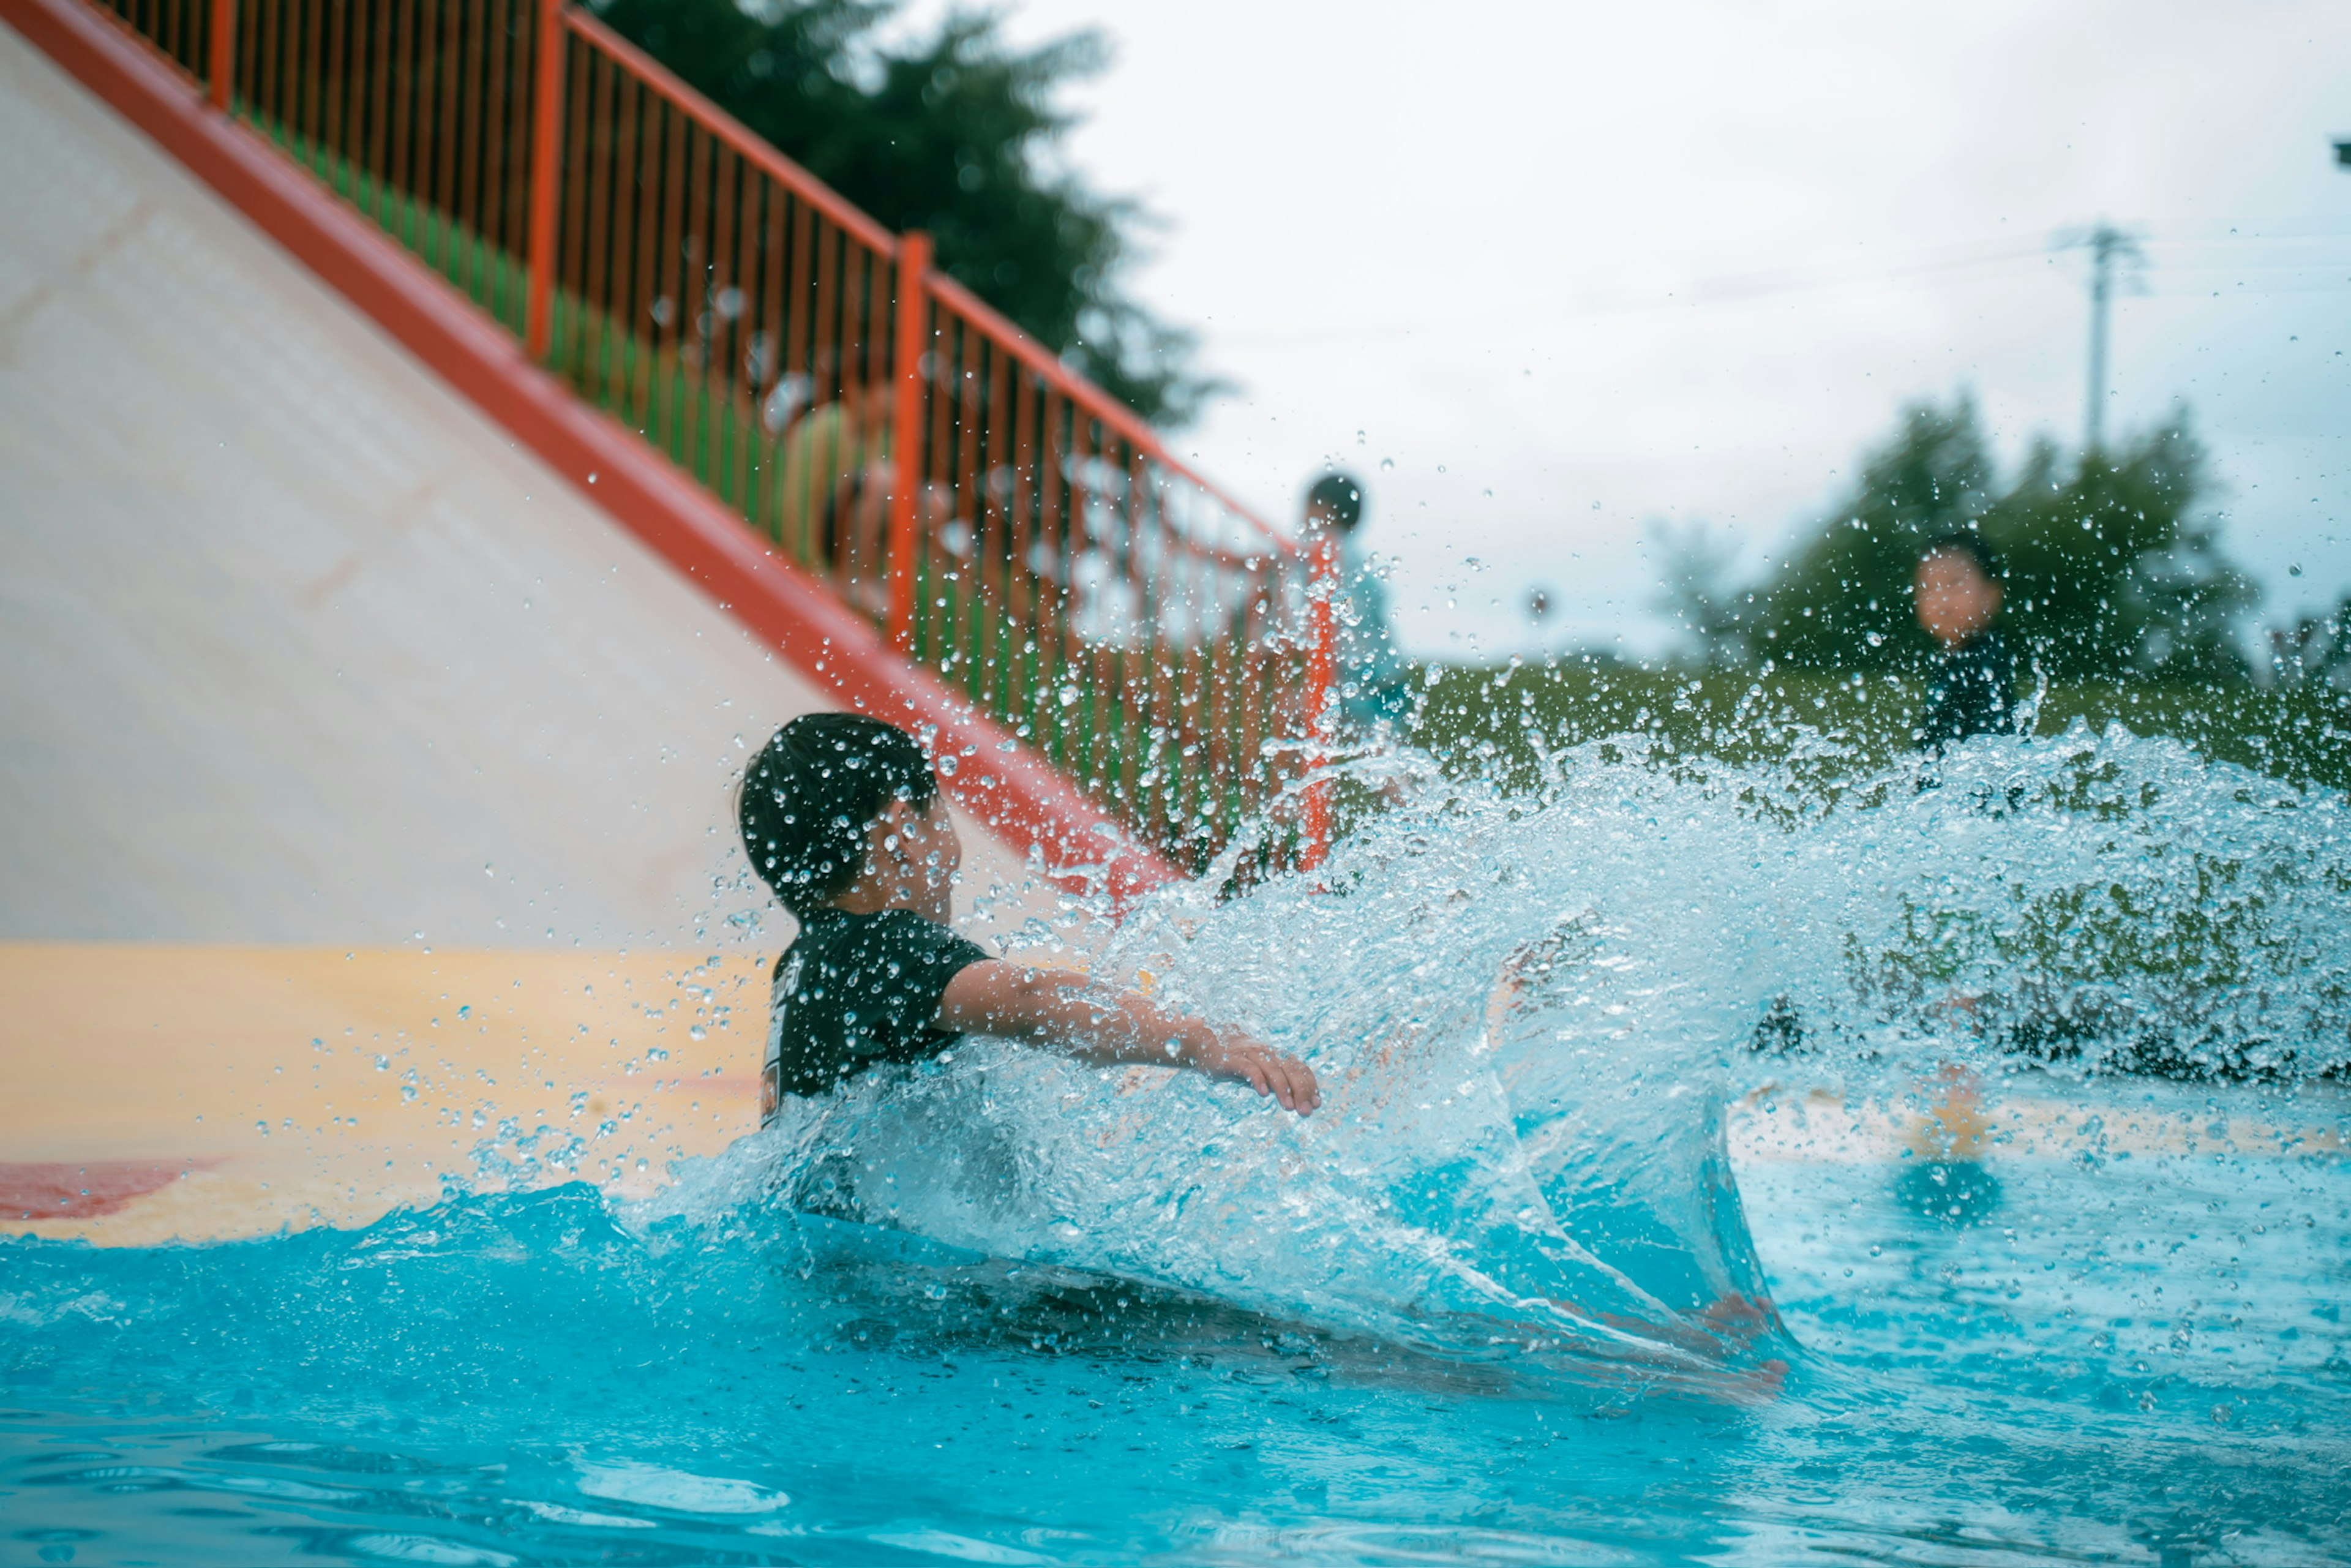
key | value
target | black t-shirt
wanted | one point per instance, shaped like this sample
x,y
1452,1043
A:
x,y
856,989
1972,692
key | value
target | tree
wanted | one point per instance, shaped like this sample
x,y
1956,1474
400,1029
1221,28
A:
x,y
2315,650
2111,573
1842,601
951,134
1699,591
2111,576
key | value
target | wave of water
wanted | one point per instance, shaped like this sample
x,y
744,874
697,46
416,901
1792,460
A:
x,y
1503,1298
1529,1010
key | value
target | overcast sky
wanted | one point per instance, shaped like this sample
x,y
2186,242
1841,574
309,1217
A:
x,y
1572,270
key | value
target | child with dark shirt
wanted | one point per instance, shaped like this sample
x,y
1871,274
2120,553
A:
x,y
842,817
1973,689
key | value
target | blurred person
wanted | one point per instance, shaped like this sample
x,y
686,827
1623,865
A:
x,y
842,817
1374,688
1972,692
832,491
1973,688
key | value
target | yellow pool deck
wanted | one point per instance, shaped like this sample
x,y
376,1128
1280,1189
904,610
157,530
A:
x,y
149,1093
153,1092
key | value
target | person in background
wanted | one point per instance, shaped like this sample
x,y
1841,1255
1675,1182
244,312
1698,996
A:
x,y
1973,688
832,491
1373,684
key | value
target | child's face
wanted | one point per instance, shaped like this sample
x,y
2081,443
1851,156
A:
x,y
921,847
1956,600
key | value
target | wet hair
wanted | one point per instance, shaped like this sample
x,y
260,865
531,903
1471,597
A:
x,y
1342,497
812,792
1971,545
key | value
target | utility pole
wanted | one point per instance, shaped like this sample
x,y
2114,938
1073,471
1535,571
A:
x,y
2109,246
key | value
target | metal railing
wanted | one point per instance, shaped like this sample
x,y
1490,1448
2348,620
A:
x,y
1005,523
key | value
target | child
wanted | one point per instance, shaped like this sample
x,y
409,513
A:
x,y
843,816
1973,691
1374,689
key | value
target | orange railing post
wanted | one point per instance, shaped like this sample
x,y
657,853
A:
x,y
1321,671
223,52
546,105
906,429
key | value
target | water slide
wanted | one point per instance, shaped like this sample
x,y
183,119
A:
x,y
335,724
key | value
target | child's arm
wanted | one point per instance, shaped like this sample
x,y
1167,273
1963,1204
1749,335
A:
x,y
1066,1010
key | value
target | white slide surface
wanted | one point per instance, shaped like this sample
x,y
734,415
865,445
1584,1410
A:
x,y
296,646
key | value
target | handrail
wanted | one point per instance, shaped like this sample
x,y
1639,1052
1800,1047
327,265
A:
x,y
745,141
1022,536
222,58
1108,409
752,146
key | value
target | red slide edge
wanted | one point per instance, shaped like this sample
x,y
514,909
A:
x,y
1004,784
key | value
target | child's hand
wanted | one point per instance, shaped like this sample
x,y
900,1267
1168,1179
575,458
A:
x,y
1262,1067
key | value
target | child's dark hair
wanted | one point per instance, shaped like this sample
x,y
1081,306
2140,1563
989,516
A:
x,y
812,792
1971,545
1341,498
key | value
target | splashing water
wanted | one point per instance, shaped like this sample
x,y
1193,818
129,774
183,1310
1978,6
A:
x,y
2029,1070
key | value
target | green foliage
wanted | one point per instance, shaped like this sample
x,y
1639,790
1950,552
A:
x,y
1499,723
1842,600
2315,649
2110,577
2111,574
948,134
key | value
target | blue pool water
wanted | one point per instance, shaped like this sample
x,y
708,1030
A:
x,y
1718,1166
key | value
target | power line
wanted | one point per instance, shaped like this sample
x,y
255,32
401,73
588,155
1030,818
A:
x,y
1742,288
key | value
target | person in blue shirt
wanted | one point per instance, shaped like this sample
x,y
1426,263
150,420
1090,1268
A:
x,y
1374,684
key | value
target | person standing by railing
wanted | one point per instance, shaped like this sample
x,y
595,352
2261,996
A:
x,y
1373,683
832,491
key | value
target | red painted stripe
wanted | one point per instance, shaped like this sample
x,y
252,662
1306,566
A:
x,y
1004,785
66,1191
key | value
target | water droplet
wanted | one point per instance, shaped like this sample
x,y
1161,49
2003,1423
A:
x,y
1386,464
